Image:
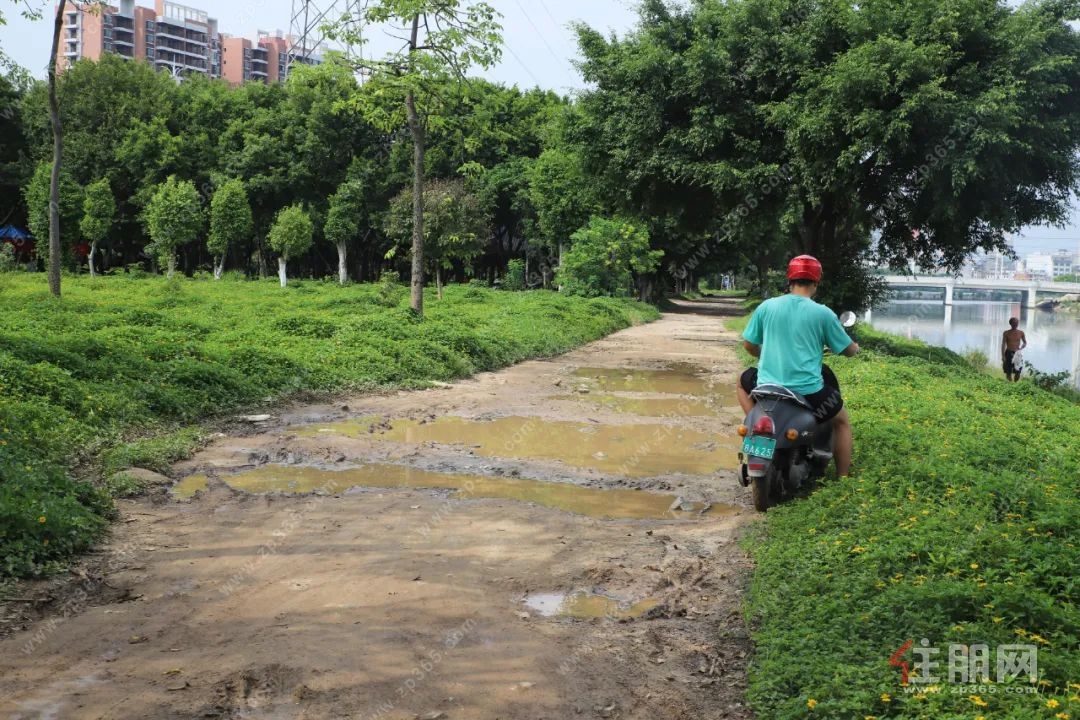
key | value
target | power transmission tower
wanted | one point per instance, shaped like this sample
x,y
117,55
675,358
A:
x,y
306,36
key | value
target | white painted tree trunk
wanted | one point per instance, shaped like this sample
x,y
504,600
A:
x,y
93,253
438,280
172,265
342,260
281,272
219,267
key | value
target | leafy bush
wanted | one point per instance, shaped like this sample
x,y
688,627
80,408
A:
x,y
515,275
391,292
116,374
7,257
604,257
977,359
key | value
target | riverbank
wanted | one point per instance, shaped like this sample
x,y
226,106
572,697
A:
x,y
958,527
123,372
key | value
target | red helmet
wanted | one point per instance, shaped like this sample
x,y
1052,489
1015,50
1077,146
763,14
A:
x,y
804,267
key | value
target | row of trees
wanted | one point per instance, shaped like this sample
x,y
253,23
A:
x,y
715,137
255,150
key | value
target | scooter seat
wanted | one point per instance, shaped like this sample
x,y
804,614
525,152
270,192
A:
x,y
779,392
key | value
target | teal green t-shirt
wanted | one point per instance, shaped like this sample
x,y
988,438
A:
x,y
792,332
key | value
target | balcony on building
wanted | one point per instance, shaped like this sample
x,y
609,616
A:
x,y
122,23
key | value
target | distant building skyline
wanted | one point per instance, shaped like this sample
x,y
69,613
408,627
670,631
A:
x,y
180,39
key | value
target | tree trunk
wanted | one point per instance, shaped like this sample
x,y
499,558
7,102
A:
x,y
172,265
342,262
58,152
438,280
281,271
219,267
93,252
416,128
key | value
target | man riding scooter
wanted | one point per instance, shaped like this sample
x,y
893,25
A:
x,y
788,335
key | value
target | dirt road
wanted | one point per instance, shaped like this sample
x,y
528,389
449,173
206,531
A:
x,y
555,540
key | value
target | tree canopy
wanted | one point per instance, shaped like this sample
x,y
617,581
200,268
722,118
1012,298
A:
x,y
882,130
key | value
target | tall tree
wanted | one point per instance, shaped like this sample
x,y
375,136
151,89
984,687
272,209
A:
x,y
14,167
174,218
445,39
58,145
230,222
837,128
457,224
290,236
347,207
38,206
99,213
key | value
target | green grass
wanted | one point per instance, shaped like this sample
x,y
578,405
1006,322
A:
x,y
958,526
121,372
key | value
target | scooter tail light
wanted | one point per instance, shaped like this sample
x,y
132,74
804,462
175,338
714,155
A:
x,y
764,426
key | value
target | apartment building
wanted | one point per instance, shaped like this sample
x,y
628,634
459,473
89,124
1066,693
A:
x,y
177,39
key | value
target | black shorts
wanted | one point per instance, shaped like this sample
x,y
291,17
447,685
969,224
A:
x,y
826,403
1007,363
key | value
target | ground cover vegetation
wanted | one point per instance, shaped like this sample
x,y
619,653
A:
x,y
958,527
123,371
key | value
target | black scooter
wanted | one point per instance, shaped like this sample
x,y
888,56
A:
x,y
785,450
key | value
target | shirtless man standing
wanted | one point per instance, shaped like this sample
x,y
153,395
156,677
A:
x,y
1012,342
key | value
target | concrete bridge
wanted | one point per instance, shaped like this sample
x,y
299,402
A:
x,y
1030,288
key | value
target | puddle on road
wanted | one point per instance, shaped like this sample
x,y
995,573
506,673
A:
x,y
586,606
678,379
609,504
625,450
653,407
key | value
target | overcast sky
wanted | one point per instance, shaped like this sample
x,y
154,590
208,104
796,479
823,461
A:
x,y
539,48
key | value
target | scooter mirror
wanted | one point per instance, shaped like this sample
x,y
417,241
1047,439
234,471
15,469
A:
x,y
849,319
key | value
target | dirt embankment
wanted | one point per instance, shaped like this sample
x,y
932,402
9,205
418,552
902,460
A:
x,y
555,540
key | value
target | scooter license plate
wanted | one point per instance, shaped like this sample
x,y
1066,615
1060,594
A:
x,y
759,447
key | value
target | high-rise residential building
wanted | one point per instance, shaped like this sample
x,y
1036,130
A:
x,y
175,38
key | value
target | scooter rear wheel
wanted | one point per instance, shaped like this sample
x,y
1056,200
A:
x,y
760,488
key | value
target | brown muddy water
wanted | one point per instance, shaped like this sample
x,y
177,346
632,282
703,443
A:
x,y
626,450
677,379
587,606
657,407
606,504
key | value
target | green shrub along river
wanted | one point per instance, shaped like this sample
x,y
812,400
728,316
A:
x,y
959,526
121,371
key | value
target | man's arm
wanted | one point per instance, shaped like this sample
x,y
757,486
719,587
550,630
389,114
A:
x,y
1004,344
1023,341
852,350
754,350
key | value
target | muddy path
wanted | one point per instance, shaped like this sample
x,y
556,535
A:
x,y
555,540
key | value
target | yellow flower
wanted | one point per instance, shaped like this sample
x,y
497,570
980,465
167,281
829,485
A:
x,y
1052,703
1062,716
997,620
41,519
920,696
885,697
811,703
977,700
974,566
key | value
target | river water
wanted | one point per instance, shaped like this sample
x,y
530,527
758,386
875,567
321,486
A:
x,y
1053,337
